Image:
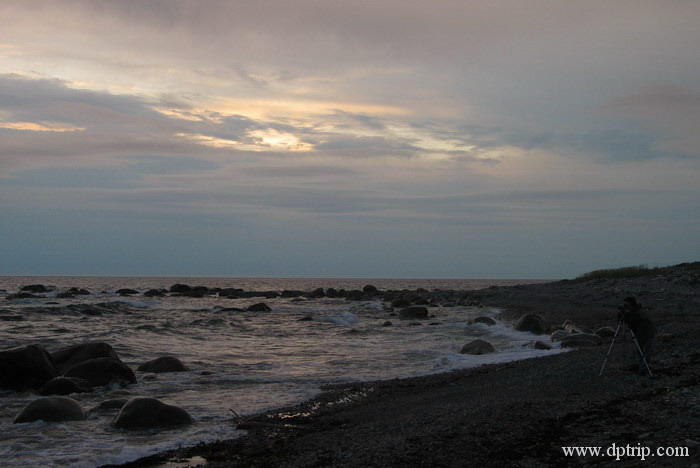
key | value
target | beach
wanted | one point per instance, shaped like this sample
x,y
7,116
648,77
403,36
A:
x,y
515,414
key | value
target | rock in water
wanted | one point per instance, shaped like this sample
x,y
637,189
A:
x,y
142,412
487,320
102,371
260,307
477,347
65,358
25,367
163,364
411,313
51,409
532,323
65,386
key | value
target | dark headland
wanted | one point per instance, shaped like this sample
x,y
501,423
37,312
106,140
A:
x,y
515,414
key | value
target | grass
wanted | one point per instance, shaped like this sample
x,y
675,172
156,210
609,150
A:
x,y
634,272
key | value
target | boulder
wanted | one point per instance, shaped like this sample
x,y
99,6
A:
x,y
477,347
541,345
370,289
65,358
102,371
34,288
415,312
558,335
142,412
78,291
154,293
532,323
163,364
581,340
259,307
400,302
51,409
179,288
487,320
25,367
65,386
126,292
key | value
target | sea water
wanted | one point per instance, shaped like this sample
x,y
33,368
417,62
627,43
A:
x,y
246,361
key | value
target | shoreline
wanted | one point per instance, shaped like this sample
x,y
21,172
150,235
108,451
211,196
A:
x,y
513,414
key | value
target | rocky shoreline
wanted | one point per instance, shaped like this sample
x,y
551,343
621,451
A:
x,y
516,414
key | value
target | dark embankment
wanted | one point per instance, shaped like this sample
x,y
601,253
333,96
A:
x,y
517,414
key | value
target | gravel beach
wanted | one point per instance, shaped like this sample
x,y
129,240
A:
x,y
514,414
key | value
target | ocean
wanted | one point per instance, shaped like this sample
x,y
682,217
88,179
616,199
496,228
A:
x,y
246,361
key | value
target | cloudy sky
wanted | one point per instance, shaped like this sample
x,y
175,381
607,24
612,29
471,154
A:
x,y
382,138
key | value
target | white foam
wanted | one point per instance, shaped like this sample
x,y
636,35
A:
x,y
345,319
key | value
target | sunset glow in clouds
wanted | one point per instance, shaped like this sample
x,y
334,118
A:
x,y
328,138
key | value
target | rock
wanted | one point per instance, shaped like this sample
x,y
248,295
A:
x,y
102,371
307,318
581,340
260,307
179,288
415,312
400,303
142,412
34,288
487,320
51,409
292,293
318,292
387,324
477,347
25,367
65,386
150,377
163,364
370,289
541,345
21,295
532,323
605,332
78,291
65,358
331,292
126,291
558,335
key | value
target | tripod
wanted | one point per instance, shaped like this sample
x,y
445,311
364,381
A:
x,y
621,325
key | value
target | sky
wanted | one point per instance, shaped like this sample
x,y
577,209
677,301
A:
x,y
324,138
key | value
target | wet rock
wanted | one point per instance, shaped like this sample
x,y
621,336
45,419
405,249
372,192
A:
x,y
260,307
102,371
25,367
163,364
532,323
292,293
558,335
179,288
318,292
65,386
387,324
370,289
78,291
541,345
51,409
477,347
126,292
67,357
332,292
35,288
487,320
400,303
415,312
308,318
142,412
21,295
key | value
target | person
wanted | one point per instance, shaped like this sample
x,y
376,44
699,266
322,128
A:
x,y
643,328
